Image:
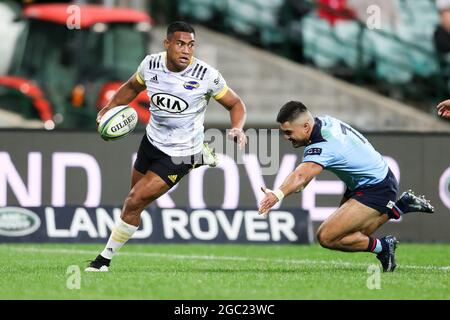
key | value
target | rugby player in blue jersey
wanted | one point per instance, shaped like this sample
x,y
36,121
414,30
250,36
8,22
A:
x,y
371,196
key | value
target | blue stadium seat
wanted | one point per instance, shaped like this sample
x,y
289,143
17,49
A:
x,y
200,10
319,42
421,53
347,34
268,21
10,31
389,55
418,10
418,22
251,16
242,16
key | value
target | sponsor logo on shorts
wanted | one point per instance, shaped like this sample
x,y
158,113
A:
x,y
191,85
168,102
173,177
17,222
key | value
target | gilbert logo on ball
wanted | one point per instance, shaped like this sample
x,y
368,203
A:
x,y
117,122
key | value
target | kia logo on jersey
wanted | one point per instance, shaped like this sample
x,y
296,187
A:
x,y
168,102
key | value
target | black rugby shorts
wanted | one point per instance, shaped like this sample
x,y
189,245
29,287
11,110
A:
x,y
170,169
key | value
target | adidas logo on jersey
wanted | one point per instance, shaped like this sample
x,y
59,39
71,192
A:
x,y
154,79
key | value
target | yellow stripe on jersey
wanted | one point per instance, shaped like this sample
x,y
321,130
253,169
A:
x,y
139,79
221,93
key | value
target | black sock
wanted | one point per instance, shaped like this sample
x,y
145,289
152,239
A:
x,y
103,260
401,207
394,213
372,243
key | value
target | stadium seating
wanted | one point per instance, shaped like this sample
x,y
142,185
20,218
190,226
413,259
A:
x,y
319,43
389,56
251,18
242,17
199,10
419,20
345,41
255,18
269,11
10,31
396,55
349,36
326,45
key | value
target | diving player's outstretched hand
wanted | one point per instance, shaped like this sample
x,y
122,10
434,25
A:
x,y
238,136
268,202
444,109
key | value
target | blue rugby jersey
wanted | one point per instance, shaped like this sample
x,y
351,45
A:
x,y
339,148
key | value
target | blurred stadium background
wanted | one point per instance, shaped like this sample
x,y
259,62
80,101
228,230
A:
x,y
384,77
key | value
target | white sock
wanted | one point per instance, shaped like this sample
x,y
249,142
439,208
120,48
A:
x,y
120,234
378,247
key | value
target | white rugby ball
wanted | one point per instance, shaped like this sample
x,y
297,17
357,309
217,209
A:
x,y
117,122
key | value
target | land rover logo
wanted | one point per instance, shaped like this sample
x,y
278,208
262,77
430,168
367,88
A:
x,y
169,103
17,222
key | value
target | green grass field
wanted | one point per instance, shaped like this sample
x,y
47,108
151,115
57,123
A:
x,y
221,272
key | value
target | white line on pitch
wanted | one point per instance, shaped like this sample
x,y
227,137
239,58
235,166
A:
x,y
228,258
